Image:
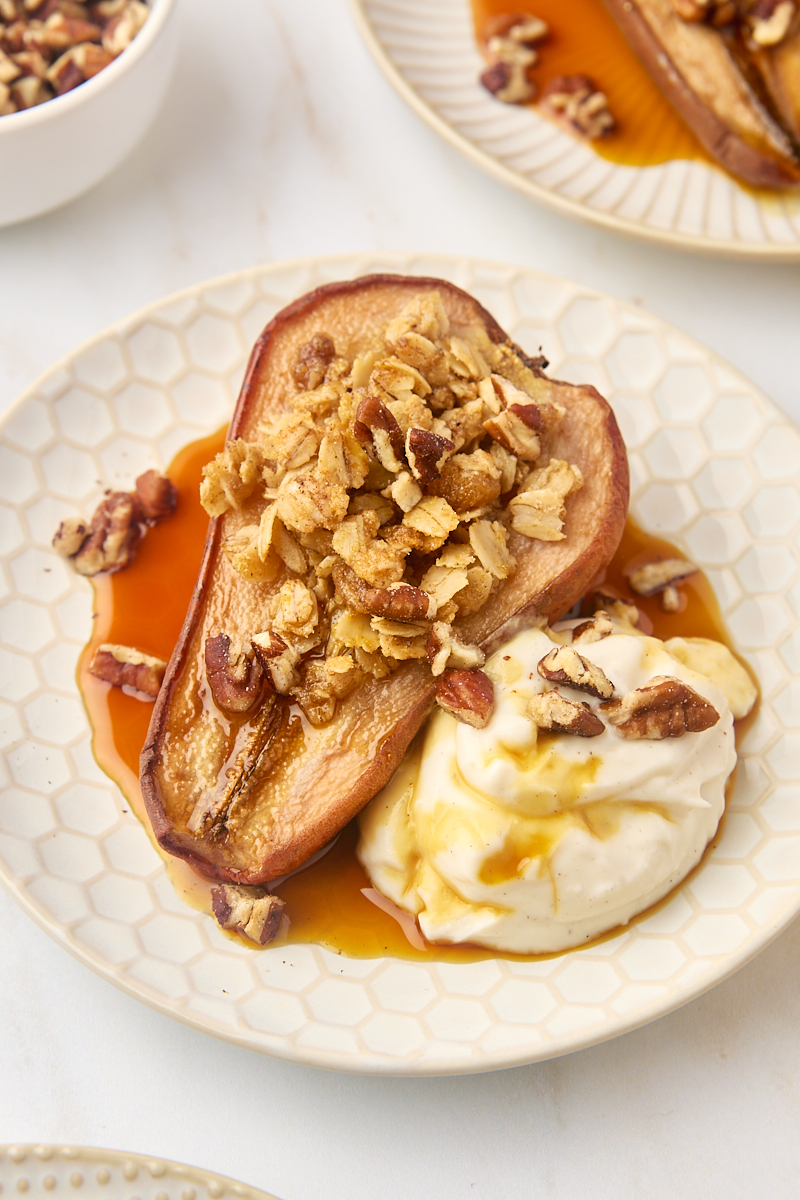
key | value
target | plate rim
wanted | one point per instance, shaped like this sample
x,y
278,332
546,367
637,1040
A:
x,y
44,1152
563,205
327,1059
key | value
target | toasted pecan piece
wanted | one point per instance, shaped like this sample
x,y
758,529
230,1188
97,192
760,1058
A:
x,y
564,665
234,675
157,495
551,710
594,630
664,708
466,695
114,534
654,576
124,666
252,912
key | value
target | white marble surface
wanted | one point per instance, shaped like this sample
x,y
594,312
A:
x,y
281,139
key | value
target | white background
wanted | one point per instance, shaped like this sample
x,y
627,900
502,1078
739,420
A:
x,y
281,139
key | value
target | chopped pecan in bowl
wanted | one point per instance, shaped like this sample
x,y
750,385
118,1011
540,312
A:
x,y
50,47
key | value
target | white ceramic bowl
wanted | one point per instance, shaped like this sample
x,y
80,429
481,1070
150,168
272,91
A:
x,y
56,151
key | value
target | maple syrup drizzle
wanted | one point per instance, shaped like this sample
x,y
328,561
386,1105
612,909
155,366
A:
x,y
145,605
584,40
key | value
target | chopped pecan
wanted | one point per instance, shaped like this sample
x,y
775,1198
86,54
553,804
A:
x,y
575,102
31,62
616,606
400,602
564,665
278,659
550,710
466,695
122,29
594,630
70,536
654,576
664,707
59,32
123,666
76,65
508,81
522,28
157,495
253,912
517,430
9,70
551,410
313,360
427,453
445,649
114,534
375,427
234,674
506,50
29,91
770,21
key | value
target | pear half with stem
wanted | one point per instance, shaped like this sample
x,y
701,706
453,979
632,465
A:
x,y
271,787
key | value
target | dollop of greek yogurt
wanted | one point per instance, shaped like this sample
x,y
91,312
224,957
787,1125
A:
x,y
531,841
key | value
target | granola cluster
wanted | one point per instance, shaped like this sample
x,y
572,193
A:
x,y
379,507
48,47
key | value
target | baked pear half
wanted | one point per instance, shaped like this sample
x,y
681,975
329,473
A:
x,y
402,489
739,98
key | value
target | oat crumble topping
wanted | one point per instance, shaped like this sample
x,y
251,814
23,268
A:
x,y
379,507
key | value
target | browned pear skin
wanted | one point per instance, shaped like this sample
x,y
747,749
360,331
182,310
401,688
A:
x,y
698,72
311,781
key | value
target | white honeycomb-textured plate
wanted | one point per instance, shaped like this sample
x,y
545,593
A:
x,y
39,1172
426,48
715,468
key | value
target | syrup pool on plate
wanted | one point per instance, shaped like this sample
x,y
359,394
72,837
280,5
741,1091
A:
x,y
145,605
584,40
